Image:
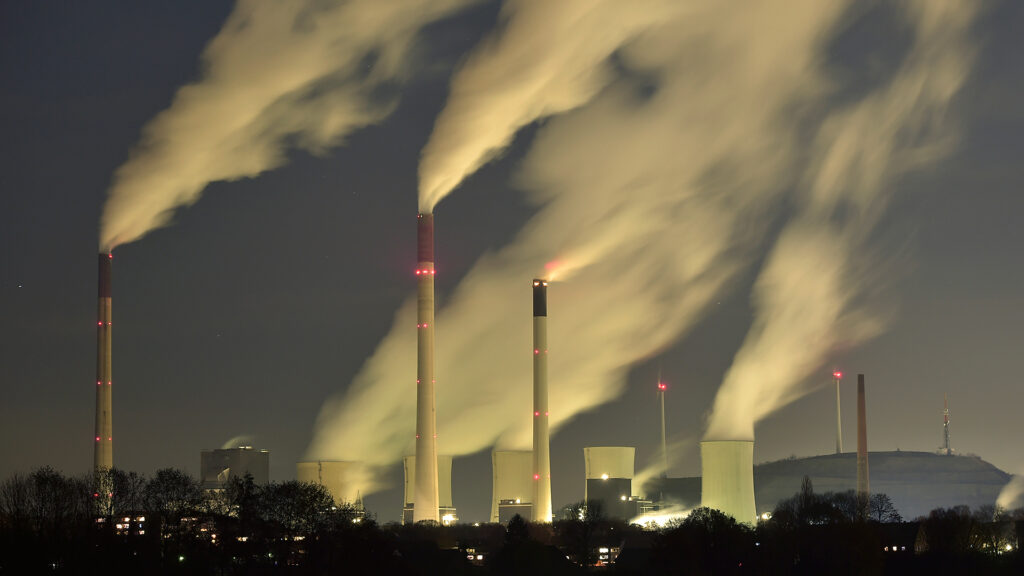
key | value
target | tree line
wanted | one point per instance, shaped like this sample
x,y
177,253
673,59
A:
x,y
124,522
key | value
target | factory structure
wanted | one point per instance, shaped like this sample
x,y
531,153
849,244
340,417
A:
x,y
445,507
512,489
219,466
521,482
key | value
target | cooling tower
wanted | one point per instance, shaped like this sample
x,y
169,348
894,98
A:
x,y
863,484
512,490
426,492
446,508
541,441
341,478
727,478
103,452
609,471
217,467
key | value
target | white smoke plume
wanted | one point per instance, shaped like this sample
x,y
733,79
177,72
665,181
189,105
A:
x,y
299,73
1011,496
653,195
814,291
238,441
549,57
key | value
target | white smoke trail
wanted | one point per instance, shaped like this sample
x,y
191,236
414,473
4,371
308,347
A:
x,y
301,73
654,194
814,291
238,441
1011,496
550,57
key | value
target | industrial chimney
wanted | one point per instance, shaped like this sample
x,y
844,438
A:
x,y
103,452
445,505
664,447
426,495
945,427
863,484
836,377
541,440
727,478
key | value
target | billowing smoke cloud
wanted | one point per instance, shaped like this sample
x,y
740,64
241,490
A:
x,y
652,196
550,57
815,289
1011,496
299,73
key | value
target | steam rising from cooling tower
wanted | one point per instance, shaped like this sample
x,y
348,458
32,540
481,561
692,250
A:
x,y
1011,496
303,73
816,289
651,195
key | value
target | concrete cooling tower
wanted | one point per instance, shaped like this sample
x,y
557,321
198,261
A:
x,y
727,478
444,490
339,477
512,490
609,471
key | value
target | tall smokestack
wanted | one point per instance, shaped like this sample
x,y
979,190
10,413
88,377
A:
x,y
425,506
664,446
103,453
945,426
541,439
836,377
863,485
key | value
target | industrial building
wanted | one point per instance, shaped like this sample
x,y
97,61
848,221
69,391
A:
x,y
916,482
218,466
609,480
340,478
446,509
512,488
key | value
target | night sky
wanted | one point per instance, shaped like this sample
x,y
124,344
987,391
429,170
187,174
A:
x,y
265,297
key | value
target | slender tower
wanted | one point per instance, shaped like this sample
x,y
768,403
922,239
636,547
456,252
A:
x,y
664,446
863,484
103,452
836,377
541,439
945,426
425,504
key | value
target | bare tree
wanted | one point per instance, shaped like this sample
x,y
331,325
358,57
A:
x,y
881,509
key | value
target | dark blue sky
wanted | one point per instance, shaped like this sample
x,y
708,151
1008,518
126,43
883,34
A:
x,y
266,296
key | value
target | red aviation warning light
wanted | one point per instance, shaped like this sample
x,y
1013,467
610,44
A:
x,y
837,375
662,386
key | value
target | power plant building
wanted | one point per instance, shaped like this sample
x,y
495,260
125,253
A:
x,y
446,509
609,480
512,490
219,466
339,477
727,480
